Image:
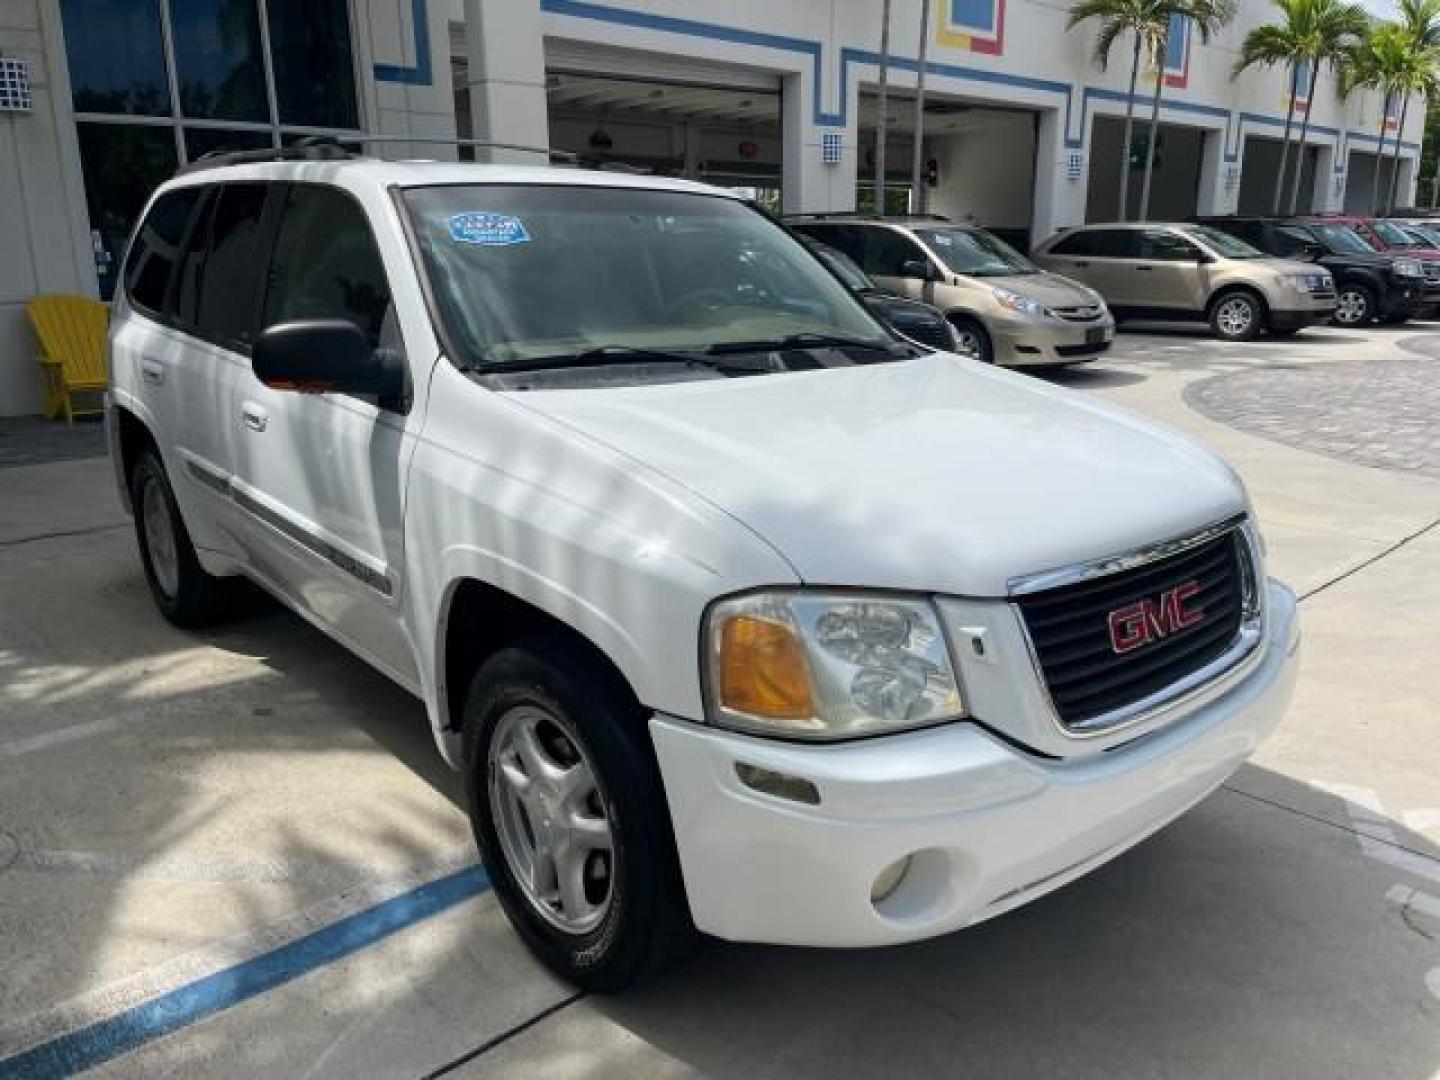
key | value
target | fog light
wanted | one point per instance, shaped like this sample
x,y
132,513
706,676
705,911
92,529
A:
x,y
889,880
781,785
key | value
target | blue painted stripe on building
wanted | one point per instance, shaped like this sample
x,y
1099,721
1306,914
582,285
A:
x,y
129,1030
589,9
420,74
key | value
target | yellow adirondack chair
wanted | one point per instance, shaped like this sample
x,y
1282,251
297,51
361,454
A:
x,y
71,330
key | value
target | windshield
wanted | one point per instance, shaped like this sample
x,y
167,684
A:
x,y
1425,235
1342,239
1393,234
528,271
1223,244
975,252
845,268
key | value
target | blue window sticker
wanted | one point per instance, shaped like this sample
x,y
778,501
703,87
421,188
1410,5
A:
x,y
488,229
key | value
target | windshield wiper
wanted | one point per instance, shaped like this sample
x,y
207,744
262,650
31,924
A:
x,y
603,355
805,341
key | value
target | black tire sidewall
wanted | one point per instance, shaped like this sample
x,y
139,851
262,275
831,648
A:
x,y
1257,320
963,323
647,905
1369,298
191,605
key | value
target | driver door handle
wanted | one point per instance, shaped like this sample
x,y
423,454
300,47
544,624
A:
x,y
254,417
152,372
1145,268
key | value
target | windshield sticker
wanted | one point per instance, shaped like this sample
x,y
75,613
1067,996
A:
x,y
943,240
487,229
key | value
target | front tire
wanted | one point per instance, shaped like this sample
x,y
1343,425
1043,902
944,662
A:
x,y
972,339
569,813
1354,306
1236,316
183,591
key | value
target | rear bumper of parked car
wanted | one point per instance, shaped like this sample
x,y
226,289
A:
x,y
986,827
1022,342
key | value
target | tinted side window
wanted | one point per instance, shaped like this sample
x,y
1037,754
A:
x,y
1077,243
1165,246
1117,243
885,251
156,250
846,238
326,264
231,275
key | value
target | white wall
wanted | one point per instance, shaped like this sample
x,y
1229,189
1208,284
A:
x,y
987,175
43,242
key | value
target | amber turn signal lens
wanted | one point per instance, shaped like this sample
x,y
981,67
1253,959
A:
x,y
763,671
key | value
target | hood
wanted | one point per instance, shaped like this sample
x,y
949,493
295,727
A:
x,y
1052,290
1285,266
1375,260
932,474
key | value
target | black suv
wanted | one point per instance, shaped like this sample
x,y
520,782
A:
x,y
1369,284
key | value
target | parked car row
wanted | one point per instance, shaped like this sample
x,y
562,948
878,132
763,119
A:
x,y
1242,274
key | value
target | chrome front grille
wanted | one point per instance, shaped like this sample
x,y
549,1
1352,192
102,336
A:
x,y
1087,635
1084,313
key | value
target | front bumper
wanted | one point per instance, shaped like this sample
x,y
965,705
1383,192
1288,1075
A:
x,y
988,827
1023,342
1406,297
1309,312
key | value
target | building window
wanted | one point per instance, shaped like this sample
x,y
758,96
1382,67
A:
x,y
310,47
117,56
217,60
159,83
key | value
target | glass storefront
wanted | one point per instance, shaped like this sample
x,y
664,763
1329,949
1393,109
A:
x,y
194,77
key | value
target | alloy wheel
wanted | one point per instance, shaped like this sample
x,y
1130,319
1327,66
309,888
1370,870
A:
x,y
160,538
1235,316
552,818
1351,307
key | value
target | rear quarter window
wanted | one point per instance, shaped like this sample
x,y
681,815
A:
x,y
155,252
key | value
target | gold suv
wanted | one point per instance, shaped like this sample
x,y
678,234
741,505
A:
x,y
1184,271
1004,308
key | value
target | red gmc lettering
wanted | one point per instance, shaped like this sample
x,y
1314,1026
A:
x,y
1149,620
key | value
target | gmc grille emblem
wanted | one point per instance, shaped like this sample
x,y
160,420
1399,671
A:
x,y
1149,620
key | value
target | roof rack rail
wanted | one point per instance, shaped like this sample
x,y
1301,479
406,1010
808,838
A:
x,y
855,215
337,148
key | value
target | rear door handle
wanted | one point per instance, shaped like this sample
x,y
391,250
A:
x,y
1147,269
1081,263
152,372
255,418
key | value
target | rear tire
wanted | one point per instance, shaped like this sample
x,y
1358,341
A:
x,y
973,339
1237,316
556,754
183,591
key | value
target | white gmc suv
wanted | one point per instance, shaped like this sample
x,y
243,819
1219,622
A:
x,y
740,614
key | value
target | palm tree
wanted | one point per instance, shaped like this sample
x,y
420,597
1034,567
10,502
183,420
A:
x,y
1387,60
1147,21
1311,33
1420,20
1271,45
1333,28
1207,17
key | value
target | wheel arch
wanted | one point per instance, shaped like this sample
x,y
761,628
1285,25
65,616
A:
x,y
1230,288
476,617
131,437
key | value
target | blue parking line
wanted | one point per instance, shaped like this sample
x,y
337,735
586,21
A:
x,y
133,1028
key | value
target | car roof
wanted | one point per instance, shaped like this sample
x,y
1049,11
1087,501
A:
x,y
373,172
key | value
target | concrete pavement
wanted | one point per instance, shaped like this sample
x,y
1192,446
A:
x,y
175,806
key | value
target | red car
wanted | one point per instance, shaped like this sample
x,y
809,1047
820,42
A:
x,y
1385,235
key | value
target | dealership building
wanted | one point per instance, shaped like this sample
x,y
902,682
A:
x,y
102,99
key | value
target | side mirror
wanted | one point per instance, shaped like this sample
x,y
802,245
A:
x,y
321,356
1312,250
919,268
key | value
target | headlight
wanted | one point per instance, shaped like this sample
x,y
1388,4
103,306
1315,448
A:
x,y
1408,268
825,665
1017,302
1308,283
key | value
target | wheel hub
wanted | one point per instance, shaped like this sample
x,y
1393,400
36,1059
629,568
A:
x,y
552,818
